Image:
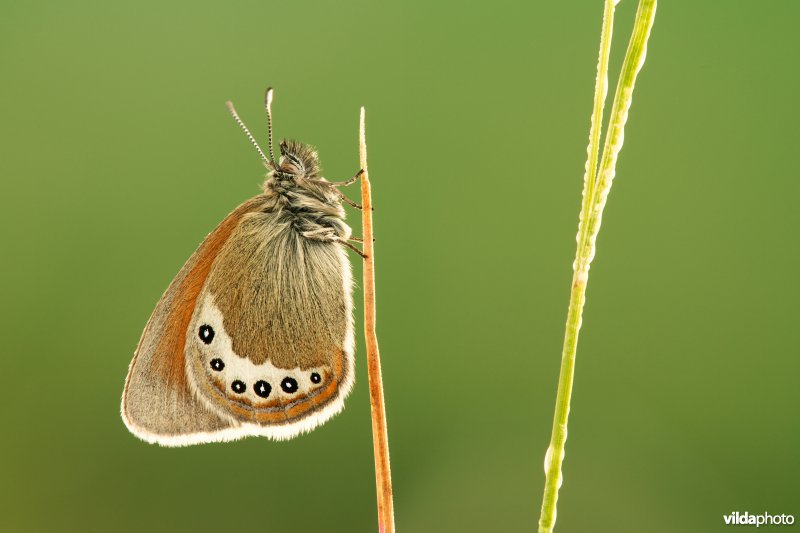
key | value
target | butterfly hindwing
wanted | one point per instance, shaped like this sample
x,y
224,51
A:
x,y
253,337
279,360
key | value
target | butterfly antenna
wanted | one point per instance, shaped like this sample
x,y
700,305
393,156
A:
x,y
247,132
268,107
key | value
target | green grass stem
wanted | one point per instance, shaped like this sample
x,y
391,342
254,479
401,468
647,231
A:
x,y
597,184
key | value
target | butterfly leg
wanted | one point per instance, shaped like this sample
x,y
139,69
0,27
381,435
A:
x,y
325,235
352,180
349,201
356,250
348,182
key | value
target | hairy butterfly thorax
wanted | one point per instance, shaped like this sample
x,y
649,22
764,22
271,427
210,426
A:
x,y
254,336
312,204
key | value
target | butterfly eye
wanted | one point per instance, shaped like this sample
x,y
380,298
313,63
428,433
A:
x,y
238,386
262,388
289,385
206,333
315,378
217,364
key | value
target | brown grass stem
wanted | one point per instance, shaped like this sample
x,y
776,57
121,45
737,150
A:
x,y
380,437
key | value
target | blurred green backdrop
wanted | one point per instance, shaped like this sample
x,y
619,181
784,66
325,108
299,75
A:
x,y
117,156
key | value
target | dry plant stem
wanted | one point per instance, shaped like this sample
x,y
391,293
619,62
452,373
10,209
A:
x,y
595,192
380,438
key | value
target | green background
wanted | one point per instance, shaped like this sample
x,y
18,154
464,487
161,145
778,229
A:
x,y
117,156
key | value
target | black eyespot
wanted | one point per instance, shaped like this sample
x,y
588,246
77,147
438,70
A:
x,y
217,364
262,388
315,378
206,333
238,386
289,385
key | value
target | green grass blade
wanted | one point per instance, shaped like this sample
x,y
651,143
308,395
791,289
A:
x,y
597,185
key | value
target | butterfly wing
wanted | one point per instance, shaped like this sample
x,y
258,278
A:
x,y
253,337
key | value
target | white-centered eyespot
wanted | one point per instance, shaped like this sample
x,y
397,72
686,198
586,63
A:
x,y
206,333
289,385
262,388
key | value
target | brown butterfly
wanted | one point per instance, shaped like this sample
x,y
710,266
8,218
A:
x,y
254,336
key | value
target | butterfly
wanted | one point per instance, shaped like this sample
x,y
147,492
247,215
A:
x,y
254,336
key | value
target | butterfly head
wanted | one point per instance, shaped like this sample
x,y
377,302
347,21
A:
x,y
297,160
